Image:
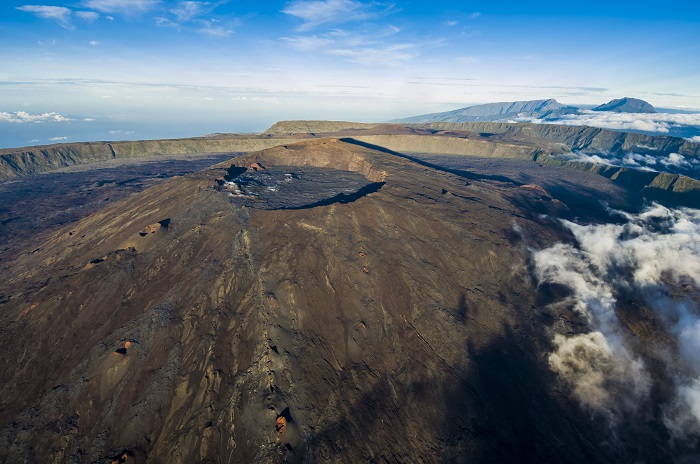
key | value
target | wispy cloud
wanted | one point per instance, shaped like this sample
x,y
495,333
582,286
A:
x,y
474,15
318,12
165,22
94,43
189,16
468,60
121,6
271,100
58,139
89,16
59,14
451,23
24,117
378,55
377,48
214,28
651,261
310,43
185,11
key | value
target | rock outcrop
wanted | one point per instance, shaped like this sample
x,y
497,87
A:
x,y
30,160
310,127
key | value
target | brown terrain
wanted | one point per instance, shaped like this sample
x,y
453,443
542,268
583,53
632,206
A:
x,y
388,316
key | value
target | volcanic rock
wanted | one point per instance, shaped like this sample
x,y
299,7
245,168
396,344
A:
x,y
401,325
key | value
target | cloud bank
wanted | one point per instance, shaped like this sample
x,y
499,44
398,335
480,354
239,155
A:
x,y
24,117
653,260
660,123
673,163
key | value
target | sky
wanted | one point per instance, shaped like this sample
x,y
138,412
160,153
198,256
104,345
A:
x,y
116,69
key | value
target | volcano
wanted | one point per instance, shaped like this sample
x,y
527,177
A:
x,y
321,301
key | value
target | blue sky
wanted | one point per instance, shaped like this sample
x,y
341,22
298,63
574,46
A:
x,y
109,69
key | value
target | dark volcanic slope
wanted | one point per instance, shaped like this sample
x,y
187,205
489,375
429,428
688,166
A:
x,y
35,205
177,326
584,193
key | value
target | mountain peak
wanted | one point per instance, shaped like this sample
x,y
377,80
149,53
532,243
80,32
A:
x,y
494,111
626,105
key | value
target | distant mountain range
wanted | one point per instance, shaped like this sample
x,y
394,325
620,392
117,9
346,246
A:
x,y
541,109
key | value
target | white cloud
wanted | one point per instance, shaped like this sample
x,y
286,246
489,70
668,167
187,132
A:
x,y
474,15
647,122
89,16
468,60
596,371
317,12
674,163
59,14
451,23
377,48
653,258
165,22
387,55
695,139
24,117
89,119
274,100
212,28
58,139
308,43
94,43
185,11
121,6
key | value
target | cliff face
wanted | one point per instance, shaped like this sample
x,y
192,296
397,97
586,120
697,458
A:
x,y
30,160
672,189
310,127
543,143
579,137
574,137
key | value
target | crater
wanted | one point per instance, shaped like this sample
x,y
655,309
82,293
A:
x,y
153,228
123,350
296,187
